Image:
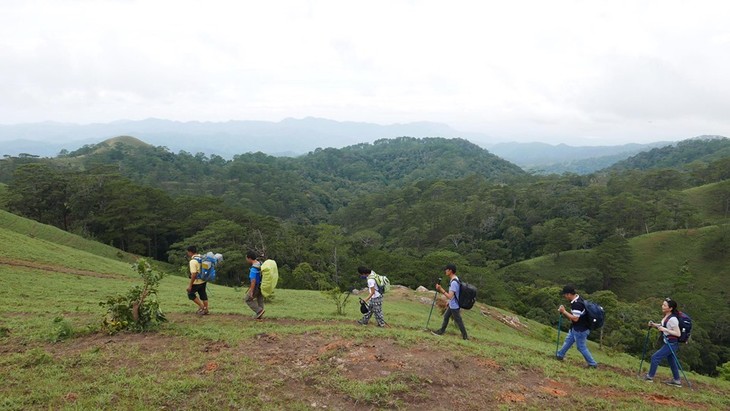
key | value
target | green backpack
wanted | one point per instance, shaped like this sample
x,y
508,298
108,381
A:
x,y
381,281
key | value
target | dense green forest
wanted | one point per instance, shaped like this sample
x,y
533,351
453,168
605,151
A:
x,y
405,207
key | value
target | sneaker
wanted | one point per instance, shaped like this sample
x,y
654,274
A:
x,y
648,379
360,322
381,325
591,366
559,358
205,311
439,332
201,311
260,314
674,383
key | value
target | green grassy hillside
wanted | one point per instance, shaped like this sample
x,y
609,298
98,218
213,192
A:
x,y
301,356
711,201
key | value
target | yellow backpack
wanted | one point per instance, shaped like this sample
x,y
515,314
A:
x,y
269,277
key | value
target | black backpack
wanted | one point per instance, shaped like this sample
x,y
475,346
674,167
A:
x,y
468,294
595,314
685,326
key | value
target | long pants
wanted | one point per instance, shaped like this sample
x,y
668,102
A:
x,y
376,307
663,353
456,313
255,302
579,338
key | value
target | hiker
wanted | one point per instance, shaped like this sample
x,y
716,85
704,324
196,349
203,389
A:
x,y
196,286
579,326
669,326
254,299
453,309
374,298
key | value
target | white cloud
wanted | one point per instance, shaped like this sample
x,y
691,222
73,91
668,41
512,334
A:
x,y
553,71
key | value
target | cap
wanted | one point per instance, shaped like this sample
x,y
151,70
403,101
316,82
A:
x,y
451,267
568,289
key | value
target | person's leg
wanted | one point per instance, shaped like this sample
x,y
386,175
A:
x,y
192,296
252,302
658,356
377,308
203,297
569,340
445,323
459,322
581,339
673,362
260,301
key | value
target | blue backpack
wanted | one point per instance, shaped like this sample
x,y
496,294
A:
x,y
685,326
207,266
595,314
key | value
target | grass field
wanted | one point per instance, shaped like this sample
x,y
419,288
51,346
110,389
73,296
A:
x,y
301,356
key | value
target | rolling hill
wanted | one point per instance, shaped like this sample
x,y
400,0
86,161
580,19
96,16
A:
x,y
301,356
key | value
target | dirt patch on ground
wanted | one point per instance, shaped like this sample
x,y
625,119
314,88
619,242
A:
x,y
336,372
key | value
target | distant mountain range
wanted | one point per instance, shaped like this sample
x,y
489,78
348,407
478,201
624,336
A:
x,y
289,137
294,137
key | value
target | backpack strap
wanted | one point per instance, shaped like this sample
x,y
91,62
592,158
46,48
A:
x,y
456,296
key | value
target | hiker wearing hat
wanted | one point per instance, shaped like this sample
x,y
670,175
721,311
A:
x,y
579,326
452,295
374,300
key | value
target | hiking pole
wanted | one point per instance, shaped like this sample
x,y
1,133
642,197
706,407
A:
x,y
435,294
557,343
666,341
643,354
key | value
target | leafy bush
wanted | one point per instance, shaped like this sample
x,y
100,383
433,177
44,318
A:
x,y
139,309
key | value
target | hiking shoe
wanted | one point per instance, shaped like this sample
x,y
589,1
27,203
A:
x,y
648,379
205,311
381,325
201,311
260,314
361,322
439,332
674,383
559,358
591,367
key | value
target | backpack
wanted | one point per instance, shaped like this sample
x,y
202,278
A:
x,y
595,313
685,326
468,294
381,281
269,277
207,265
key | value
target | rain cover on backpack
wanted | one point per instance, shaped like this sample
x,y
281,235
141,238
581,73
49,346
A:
x,y
269,277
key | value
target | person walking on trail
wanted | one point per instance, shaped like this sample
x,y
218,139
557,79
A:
x,y
579,326
669,326
254,299
196,288
453,310
374,298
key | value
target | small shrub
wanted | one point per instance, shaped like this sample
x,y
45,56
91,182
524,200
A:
x,y
139,309
62,329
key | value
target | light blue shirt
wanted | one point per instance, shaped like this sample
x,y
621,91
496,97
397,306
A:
x,y
456,288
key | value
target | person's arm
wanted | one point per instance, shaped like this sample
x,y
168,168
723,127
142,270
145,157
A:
x,y
448,294
193,274
569,315
674,331
372,293
252,274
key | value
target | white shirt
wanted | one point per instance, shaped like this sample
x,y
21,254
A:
x,y
372,284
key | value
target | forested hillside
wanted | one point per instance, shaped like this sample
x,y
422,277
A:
x,y
403,206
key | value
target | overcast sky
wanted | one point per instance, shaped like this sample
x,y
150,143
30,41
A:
x,y
578,72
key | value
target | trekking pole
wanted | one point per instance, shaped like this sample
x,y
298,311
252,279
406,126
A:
x,y
646,343
435,294
666,341
557,343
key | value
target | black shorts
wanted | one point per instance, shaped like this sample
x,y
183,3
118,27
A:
x,y
200,289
